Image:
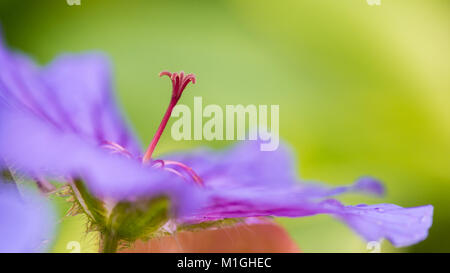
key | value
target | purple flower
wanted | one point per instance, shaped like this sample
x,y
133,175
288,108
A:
x,y
26,221
61,122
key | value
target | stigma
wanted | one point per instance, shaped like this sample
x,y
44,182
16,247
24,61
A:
x,y
179,82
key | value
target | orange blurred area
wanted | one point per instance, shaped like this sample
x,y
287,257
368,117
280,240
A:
x,y
261,238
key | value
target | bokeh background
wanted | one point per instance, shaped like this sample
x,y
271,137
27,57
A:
x,y
362,89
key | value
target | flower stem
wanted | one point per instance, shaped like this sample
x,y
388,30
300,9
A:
x,y
109,243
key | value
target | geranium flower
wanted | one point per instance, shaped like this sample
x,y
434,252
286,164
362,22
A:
x,y
61,123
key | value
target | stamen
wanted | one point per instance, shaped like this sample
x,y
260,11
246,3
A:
x,y
164,164
186,168
172,170
158,161
116,148
179,83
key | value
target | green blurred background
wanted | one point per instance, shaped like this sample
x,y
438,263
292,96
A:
x,y
362,89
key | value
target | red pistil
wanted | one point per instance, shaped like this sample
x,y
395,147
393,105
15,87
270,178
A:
x,y
179,83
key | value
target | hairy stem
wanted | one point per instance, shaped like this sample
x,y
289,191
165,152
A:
x,y
109,243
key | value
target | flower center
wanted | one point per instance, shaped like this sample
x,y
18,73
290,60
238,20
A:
x,y
179,83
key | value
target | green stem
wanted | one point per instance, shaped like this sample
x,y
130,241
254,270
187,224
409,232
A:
x,y
110,242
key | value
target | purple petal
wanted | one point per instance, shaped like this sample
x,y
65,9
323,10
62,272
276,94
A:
x,y
35,148
245,182
370,185
367,185
401,226
74,93
243,165
82,85
27,221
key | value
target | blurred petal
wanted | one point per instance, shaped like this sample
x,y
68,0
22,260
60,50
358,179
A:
x,y
245,182
26,223
244,165
364,185
243,238
74,93
49,152
82,85
401,226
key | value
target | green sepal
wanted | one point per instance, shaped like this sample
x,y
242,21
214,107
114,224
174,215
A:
x,y
127,222
138,219
93,207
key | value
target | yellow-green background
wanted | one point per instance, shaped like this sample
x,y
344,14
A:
x,y
362,89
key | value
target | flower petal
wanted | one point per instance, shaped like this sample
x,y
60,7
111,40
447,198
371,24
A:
x,y
401,226
33,147
82,85
26,222
74,93
245,165
365,184
245,182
